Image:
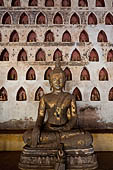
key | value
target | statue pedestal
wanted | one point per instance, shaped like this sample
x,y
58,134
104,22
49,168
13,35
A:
x,y
45,158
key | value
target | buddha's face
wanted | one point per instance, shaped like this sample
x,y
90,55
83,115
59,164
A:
x,y
57,81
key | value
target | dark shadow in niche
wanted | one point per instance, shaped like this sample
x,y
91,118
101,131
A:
x,y
14,37
47,73
95,95
66,37
74,19
21,95
68,74
1,3
83,37
0,37
100,3
109,19
39,93
6,18
110,97
66,3
30,74
41,19
4,55
57,54
15,3
31,37
49,3
49,37
102,37
33,3
83,3
22,56
23,19
92,19
12,74
85,74
77,94
110,56
40,55
93,55
58,19
3,94
75,55
103,75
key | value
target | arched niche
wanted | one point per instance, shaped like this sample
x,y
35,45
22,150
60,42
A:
x,y
58,19
22,56
0,37
75,55
74,19
77,94
110,56
40,55
12,74
4,55
14,37
49,37
3,94
95,95
41,19
68,74
66,37
47,73
82,3
100,3
66,3
33,3
6,18
1,3
93,55
110,97
109,19
23,19
57,54
15,3
103,75
30,74
102,37
31,37
85,74
49,3
39,93
21,95
83,37
92,19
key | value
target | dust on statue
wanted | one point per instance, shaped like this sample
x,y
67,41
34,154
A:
x,y
57,143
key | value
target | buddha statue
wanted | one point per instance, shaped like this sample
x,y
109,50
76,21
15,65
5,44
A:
x,y
60,130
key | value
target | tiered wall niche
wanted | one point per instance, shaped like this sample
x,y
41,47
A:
x,y
34,33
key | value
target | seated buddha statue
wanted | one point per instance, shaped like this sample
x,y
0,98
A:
x,y
61,123
57,143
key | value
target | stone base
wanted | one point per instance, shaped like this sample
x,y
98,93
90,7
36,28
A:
x,y
45,158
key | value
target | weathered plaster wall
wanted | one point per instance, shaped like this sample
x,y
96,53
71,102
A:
x,y
21,114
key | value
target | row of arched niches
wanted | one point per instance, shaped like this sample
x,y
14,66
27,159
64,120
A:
x,y
58,18
49,37
84,75
41,55
51,3
21,94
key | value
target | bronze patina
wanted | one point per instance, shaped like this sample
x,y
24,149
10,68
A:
x,y
57,143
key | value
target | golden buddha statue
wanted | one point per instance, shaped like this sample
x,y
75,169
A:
x,y
61,125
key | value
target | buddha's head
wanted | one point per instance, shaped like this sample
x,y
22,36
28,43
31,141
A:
x,y
57,77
